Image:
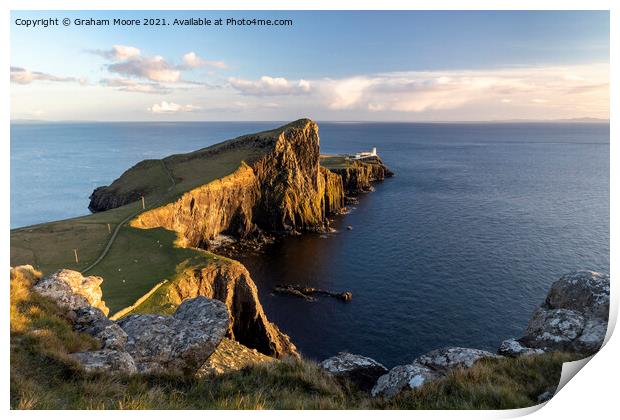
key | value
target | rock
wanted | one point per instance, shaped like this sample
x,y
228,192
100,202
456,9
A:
x,y
583,291
429,366
92,321
180,343
71,290
231,283
513,348
231,356
346,296
545,396
448,358
349,227
362,371
573,316
592,336
555,329
106,361
402,377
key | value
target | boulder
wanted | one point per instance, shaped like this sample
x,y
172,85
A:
x,y
555,329
429,366
402,377
583,291
71,290
106,361
513,348
362,371
180,343
92,321
573,316
448,358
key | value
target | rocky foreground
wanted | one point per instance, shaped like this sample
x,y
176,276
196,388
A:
x,y
195,340
573,318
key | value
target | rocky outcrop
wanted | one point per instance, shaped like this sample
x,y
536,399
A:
x,y
225,205
362,371
72,290
231,356
282,188
117,195
180,343
573,317
359,175
430,366
230,283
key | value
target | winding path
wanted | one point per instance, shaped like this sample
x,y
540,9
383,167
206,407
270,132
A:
x,y
125,220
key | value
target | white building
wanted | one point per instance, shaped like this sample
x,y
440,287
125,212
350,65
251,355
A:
x,y
362,155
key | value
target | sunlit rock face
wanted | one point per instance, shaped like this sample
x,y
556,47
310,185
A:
x,y
71,290
231,284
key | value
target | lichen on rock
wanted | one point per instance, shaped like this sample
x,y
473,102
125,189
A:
x,y
72,290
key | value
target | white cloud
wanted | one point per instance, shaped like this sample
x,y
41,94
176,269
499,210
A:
x,y
152,68
416,92
118,52
192,60
130,85
23,76
165,107
270,86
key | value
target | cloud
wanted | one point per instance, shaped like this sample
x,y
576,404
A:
x,y
24,76
416,92
151,68
192,60
269,86
118,52
165,107
130,85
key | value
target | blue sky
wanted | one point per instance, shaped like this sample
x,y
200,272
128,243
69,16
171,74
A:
x,y
405,66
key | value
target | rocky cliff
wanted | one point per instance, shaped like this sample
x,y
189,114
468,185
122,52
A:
x,y
359,175
280,187
231,284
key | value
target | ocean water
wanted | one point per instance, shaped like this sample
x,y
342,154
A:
x,y
457,249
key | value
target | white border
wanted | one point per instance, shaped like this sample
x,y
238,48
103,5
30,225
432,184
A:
x,y
592,395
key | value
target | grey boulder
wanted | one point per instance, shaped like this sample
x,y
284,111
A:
x,y
428,367
180,343
92,321
362,371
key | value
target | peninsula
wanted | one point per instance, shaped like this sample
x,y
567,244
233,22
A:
x,y
132,307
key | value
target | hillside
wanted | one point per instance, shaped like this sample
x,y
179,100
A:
x,y
268,182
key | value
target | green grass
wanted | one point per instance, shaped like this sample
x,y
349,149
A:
x,y
334,162
43,376
138,258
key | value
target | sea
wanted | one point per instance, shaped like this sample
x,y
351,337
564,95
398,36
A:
x,y
457,249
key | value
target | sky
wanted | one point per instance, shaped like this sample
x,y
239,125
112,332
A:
x,y
329,66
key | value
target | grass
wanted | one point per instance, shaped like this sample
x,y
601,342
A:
x,y
138,258
43,376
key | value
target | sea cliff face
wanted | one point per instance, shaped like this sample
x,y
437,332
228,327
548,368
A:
x,y
279,187
231,284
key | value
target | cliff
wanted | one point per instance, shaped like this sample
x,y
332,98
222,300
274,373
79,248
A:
x,y
358,175
279,186
229,282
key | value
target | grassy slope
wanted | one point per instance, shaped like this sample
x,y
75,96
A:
x,y
44,377
142,258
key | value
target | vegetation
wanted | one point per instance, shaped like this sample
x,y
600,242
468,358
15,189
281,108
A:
x,y
138,258
43,376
